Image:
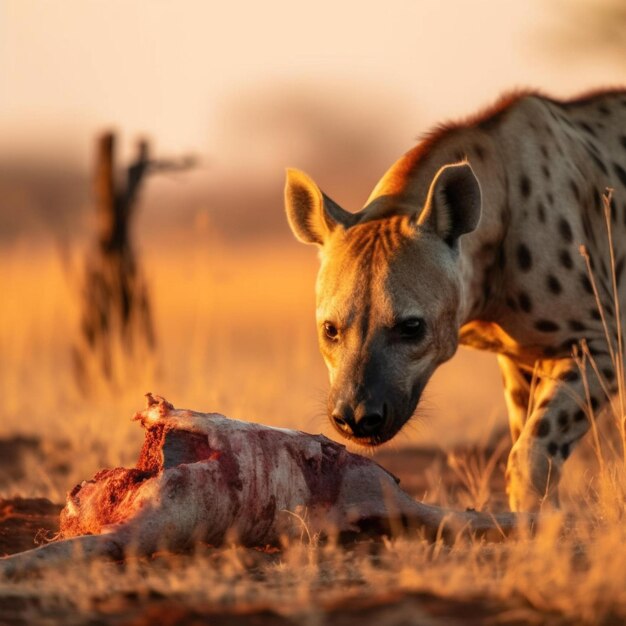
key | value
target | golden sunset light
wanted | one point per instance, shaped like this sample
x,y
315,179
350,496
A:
x,y
161,166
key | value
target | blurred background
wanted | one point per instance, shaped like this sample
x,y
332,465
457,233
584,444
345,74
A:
x,y
157,257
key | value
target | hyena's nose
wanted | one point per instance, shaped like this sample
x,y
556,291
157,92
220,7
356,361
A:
x,y
365,423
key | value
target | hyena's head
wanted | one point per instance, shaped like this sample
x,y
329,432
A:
x,y
388,293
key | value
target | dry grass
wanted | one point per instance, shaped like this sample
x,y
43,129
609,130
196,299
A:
x,y
236,335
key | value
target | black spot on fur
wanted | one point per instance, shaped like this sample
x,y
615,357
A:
x,y
566,230
599,352
621,173
580,416
525,302
575,190
510,302
546,326
565,450
566,259
586,283
544,151
550,197
553,448
595,314
608,373
546,172
524,259
524,186
542,428
554,285
568,344
597,201
604,110
587,128
623,141
594,403
576,326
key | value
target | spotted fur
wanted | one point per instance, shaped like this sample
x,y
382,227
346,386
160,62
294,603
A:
x,y
474,234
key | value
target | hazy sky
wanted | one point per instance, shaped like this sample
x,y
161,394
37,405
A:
x,y
226,79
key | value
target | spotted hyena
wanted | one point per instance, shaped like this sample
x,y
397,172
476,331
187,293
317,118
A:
x,y
474,236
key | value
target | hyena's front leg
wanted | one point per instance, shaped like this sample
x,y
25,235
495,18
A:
x,y
558,418
516,394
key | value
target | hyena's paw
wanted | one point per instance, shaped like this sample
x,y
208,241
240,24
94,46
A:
x,y
531,479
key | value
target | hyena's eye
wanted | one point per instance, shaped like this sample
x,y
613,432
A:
x,y
330,330
410,329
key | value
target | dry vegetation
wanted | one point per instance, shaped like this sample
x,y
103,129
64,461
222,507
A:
x,y
236,335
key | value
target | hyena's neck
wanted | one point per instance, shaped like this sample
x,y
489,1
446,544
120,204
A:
x,y
404,188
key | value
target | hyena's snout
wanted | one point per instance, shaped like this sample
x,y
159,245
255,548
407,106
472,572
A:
x,y
365,420
372,414
364,405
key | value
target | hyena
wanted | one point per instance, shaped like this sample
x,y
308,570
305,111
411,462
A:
x,y
473,236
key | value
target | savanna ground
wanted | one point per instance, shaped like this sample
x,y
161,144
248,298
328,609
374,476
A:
x,y
235,335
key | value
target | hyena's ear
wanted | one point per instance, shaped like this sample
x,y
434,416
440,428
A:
x,y
453,204
311,214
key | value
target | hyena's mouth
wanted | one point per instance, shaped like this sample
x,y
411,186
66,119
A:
x,y
392,427
373,441
395,420
394,414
